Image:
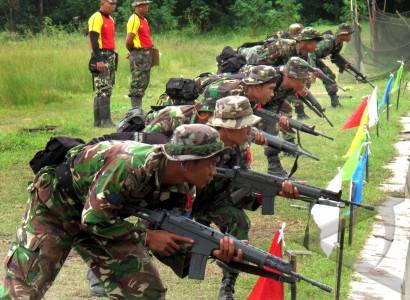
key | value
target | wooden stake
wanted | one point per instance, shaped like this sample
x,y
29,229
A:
x,y
351,217
293,285
339,266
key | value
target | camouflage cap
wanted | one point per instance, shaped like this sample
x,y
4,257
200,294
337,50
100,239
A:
x,y
344,28
233,112
295,29
309,34
261,74
193,142
297,68
135,3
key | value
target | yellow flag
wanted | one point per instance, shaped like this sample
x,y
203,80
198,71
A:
x,y
360,134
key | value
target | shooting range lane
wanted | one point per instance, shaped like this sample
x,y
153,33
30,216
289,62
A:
x,y
381,267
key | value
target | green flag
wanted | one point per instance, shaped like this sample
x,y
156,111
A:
x,y
350,165
396,85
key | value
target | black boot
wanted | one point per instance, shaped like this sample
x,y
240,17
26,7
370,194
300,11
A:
x,y
275,167
334,99
136,102
300,111
227,289
96,288
97,112
106,113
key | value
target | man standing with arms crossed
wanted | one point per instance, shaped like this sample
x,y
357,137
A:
x,y
139,43
101,32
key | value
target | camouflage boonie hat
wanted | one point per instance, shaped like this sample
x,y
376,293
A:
x,y
309,34
295,29
135,3
344,28
260,75
297,68
112,1
193,142
234,112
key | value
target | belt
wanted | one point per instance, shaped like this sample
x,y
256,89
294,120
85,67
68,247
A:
x,y
107,50
141,49
65,180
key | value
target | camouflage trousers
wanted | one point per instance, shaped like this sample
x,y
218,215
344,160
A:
x,y
227,217
331,88
104,82
50,228
140,65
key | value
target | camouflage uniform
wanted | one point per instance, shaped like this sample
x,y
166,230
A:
x,y
214,203
330,46
89,215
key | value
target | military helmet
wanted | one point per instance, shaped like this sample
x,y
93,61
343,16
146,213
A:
x,y
136,3
344,28
309,34
297,68
261,74
234,112
193,142
295,29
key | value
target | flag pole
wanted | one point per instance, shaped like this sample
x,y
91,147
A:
x,y
398,92
341,237
351,215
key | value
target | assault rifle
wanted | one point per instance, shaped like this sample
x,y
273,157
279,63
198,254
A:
x,y
247,181
322,76
282,145
271,119
344,65
315,106
207,239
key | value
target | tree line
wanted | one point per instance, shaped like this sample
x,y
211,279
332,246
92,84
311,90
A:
x,y
201,15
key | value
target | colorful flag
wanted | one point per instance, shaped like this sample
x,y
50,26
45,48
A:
x,y
358,178
372,108
266,288
356,116
397,81
327,217
350,165
386,96
360,134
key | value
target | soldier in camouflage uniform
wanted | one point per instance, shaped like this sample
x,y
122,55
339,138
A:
x,y
82,203
277,51
140,45
330,45
293,31
295,76
101,32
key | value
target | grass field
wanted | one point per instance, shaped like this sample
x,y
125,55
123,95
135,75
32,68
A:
x,y
44,81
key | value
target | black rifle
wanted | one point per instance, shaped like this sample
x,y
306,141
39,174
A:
x,y
315,106
344,65
207,239
322,76
271,119
282,145
246,181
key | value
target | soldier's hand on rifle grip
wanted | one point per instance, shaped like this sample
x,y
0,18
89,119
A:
x,y
284,123
101,67
259,138
165,243
303,92
226,251
288,190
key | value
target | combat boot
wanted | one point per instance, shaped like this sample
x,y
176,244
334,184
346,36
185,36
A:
x,y
275,167
96,288
136,102
106,113
227,289
300,111
334,99
97,112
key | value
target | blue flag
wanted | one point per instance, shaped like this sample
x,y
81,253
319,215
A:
x,y
385,101
358,177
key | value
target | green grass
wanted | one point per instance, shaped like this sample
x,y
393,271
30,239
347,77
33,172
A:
x,y
45,81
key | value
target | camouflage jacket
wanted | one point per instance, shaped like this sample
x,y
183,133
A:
x,y
327,46
110,175
223,88
167,119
